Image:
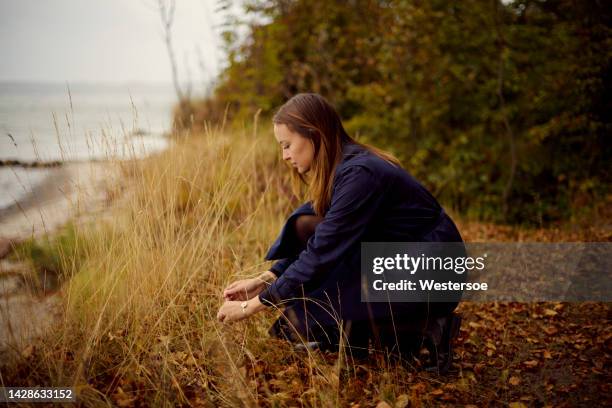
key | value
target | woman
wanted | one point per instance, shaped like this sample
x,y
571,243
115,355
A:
x,y
357,193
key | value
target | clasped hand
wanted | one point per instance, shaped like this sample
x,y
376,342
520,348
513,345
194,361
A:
x,y
234,294
243,289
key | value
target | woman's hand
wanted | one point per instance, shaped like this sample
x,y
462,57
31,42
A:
x,y
243,289
233,311
246,289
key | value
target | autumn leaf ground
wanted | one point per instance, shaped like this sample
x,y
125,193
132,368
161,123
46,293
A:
x,y
142,284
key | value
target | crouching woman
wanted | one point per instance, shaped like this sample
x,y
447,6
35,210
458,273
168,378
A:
x,y
357,193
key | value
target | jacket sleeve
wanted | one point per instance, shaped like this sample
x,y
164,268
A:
x,y
281,265
356,198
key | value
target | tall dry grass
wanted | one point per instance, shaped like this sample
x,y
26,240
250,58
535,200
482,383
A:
x,y
144,284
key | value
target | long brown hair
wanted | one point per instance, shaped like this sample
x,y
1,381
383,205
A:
x,y
313,117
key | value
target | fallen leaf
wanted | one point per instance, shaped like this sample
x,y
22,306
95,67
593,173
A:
x,y
419,387
402,401
550,312
122,399
550,330
530,363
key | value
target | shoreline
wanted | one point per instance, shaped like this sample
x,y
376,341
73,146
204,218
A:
x,y
65,192
42,192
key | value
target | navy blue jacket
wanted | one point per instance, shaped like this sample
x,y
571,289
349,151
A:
x,y
372,200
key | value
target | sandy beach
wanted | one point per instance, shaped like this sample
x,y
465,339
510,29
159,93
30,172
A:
x,y
66,192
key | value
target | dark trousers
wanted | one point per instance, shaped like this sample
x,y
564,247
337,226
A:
x,y
399,335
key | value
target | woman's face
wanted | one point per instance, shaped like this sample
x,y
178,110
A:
x,y
296,149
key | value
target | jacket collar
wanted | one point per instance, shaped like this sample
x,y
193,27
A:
x,y
350,149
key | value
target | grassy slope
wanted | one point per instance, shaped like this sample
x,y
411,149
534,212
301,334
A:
x,y
144,286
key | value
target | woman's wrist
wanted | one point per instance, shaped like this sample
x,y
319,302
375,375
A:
x,y
267,277
255,305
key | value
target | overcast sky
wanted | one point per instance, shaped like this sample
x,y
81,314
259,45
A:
x,y
105,40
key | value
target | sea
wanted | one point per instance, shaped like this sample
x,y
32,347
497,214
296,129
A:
x,y
66,122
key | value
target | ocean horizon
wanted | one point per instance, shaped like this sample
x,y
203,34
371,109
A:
x,y
80,121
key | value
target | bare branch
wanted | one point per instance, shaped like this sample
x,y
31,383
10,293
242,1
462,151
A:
x,y
167,16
